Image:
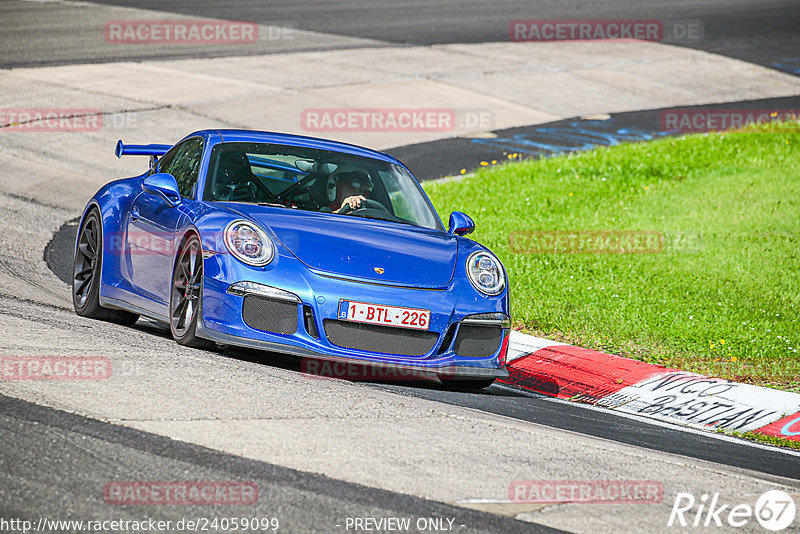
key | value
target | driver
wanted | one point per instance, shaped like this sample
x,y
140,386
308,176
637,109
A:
x,y
352,189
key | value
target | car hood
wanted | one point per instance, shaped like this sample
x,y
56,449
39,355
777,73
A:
x,y
356,247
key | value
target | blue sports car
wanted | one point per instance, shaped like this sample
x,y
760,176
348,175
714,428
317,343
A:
x,y
297,245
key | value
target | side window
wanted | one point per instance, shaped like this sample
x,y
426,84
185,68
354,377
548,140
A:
x,y
166,159
183,163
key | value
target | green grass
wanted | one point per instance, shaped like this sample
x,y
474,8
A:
x,y
762,438
720,298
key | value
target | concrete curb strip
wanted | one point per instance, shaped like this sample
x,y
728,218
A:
x,y
582,375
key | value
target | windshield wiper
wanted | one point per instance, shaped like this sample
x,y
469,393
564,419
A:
x,y
273,204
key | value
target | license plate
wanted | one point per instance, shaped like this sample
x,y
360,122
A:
x,y
362,312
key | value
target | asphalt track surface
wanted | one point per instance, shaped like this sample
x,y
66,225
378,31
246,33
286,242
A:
x,y
535,408
763,32
504,401
601,423
77,456
447,157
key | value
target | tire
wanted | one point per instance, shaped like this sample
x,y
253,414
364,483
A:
x,y
186,294
465,383
86,271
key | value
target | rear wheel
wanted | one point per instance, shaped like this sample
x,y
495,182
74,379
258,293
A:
x,y
186,294
87,268
465,383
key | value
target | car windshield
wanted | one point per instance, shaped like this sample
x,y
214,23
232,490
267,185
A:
x,y
316,180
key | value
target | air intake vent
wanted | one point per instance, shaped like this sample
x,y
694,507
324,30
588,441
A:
x,y
311,325
448,339
478,341
279,317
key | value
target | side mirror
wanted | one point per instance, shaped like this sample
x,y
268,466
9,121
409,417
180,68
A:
x,y
460,224
164,185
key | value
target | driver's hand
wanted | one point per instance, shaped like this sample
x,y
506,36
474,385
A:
x,y
354,202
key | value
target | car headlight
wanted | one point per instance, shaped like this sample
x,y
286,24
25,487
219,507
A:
x,y
486,273
249,243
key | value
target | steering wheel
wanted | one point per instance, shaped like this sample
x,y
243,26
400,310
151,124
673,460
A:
x,y
365,204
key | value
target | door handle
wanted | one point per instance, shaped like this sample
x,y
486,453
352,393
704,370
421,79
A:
x,y
134,214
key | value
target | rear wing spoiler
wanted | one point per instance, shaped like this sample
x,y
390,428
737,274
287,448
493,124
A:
x,y
154,151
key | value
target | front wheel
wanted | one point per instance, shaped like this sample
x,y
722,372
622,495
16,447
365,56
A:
x,y
465,383
186,294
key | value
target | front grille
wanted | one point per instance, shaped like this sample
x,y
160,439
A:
x,y
475,341
270,315
375,338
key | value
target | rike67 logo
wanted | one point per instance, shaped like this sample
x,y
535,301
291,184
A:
x,y
774,510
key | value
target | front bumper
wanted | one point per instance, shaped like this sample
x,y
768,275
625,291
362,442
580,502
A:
x,y
450,371
317,301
